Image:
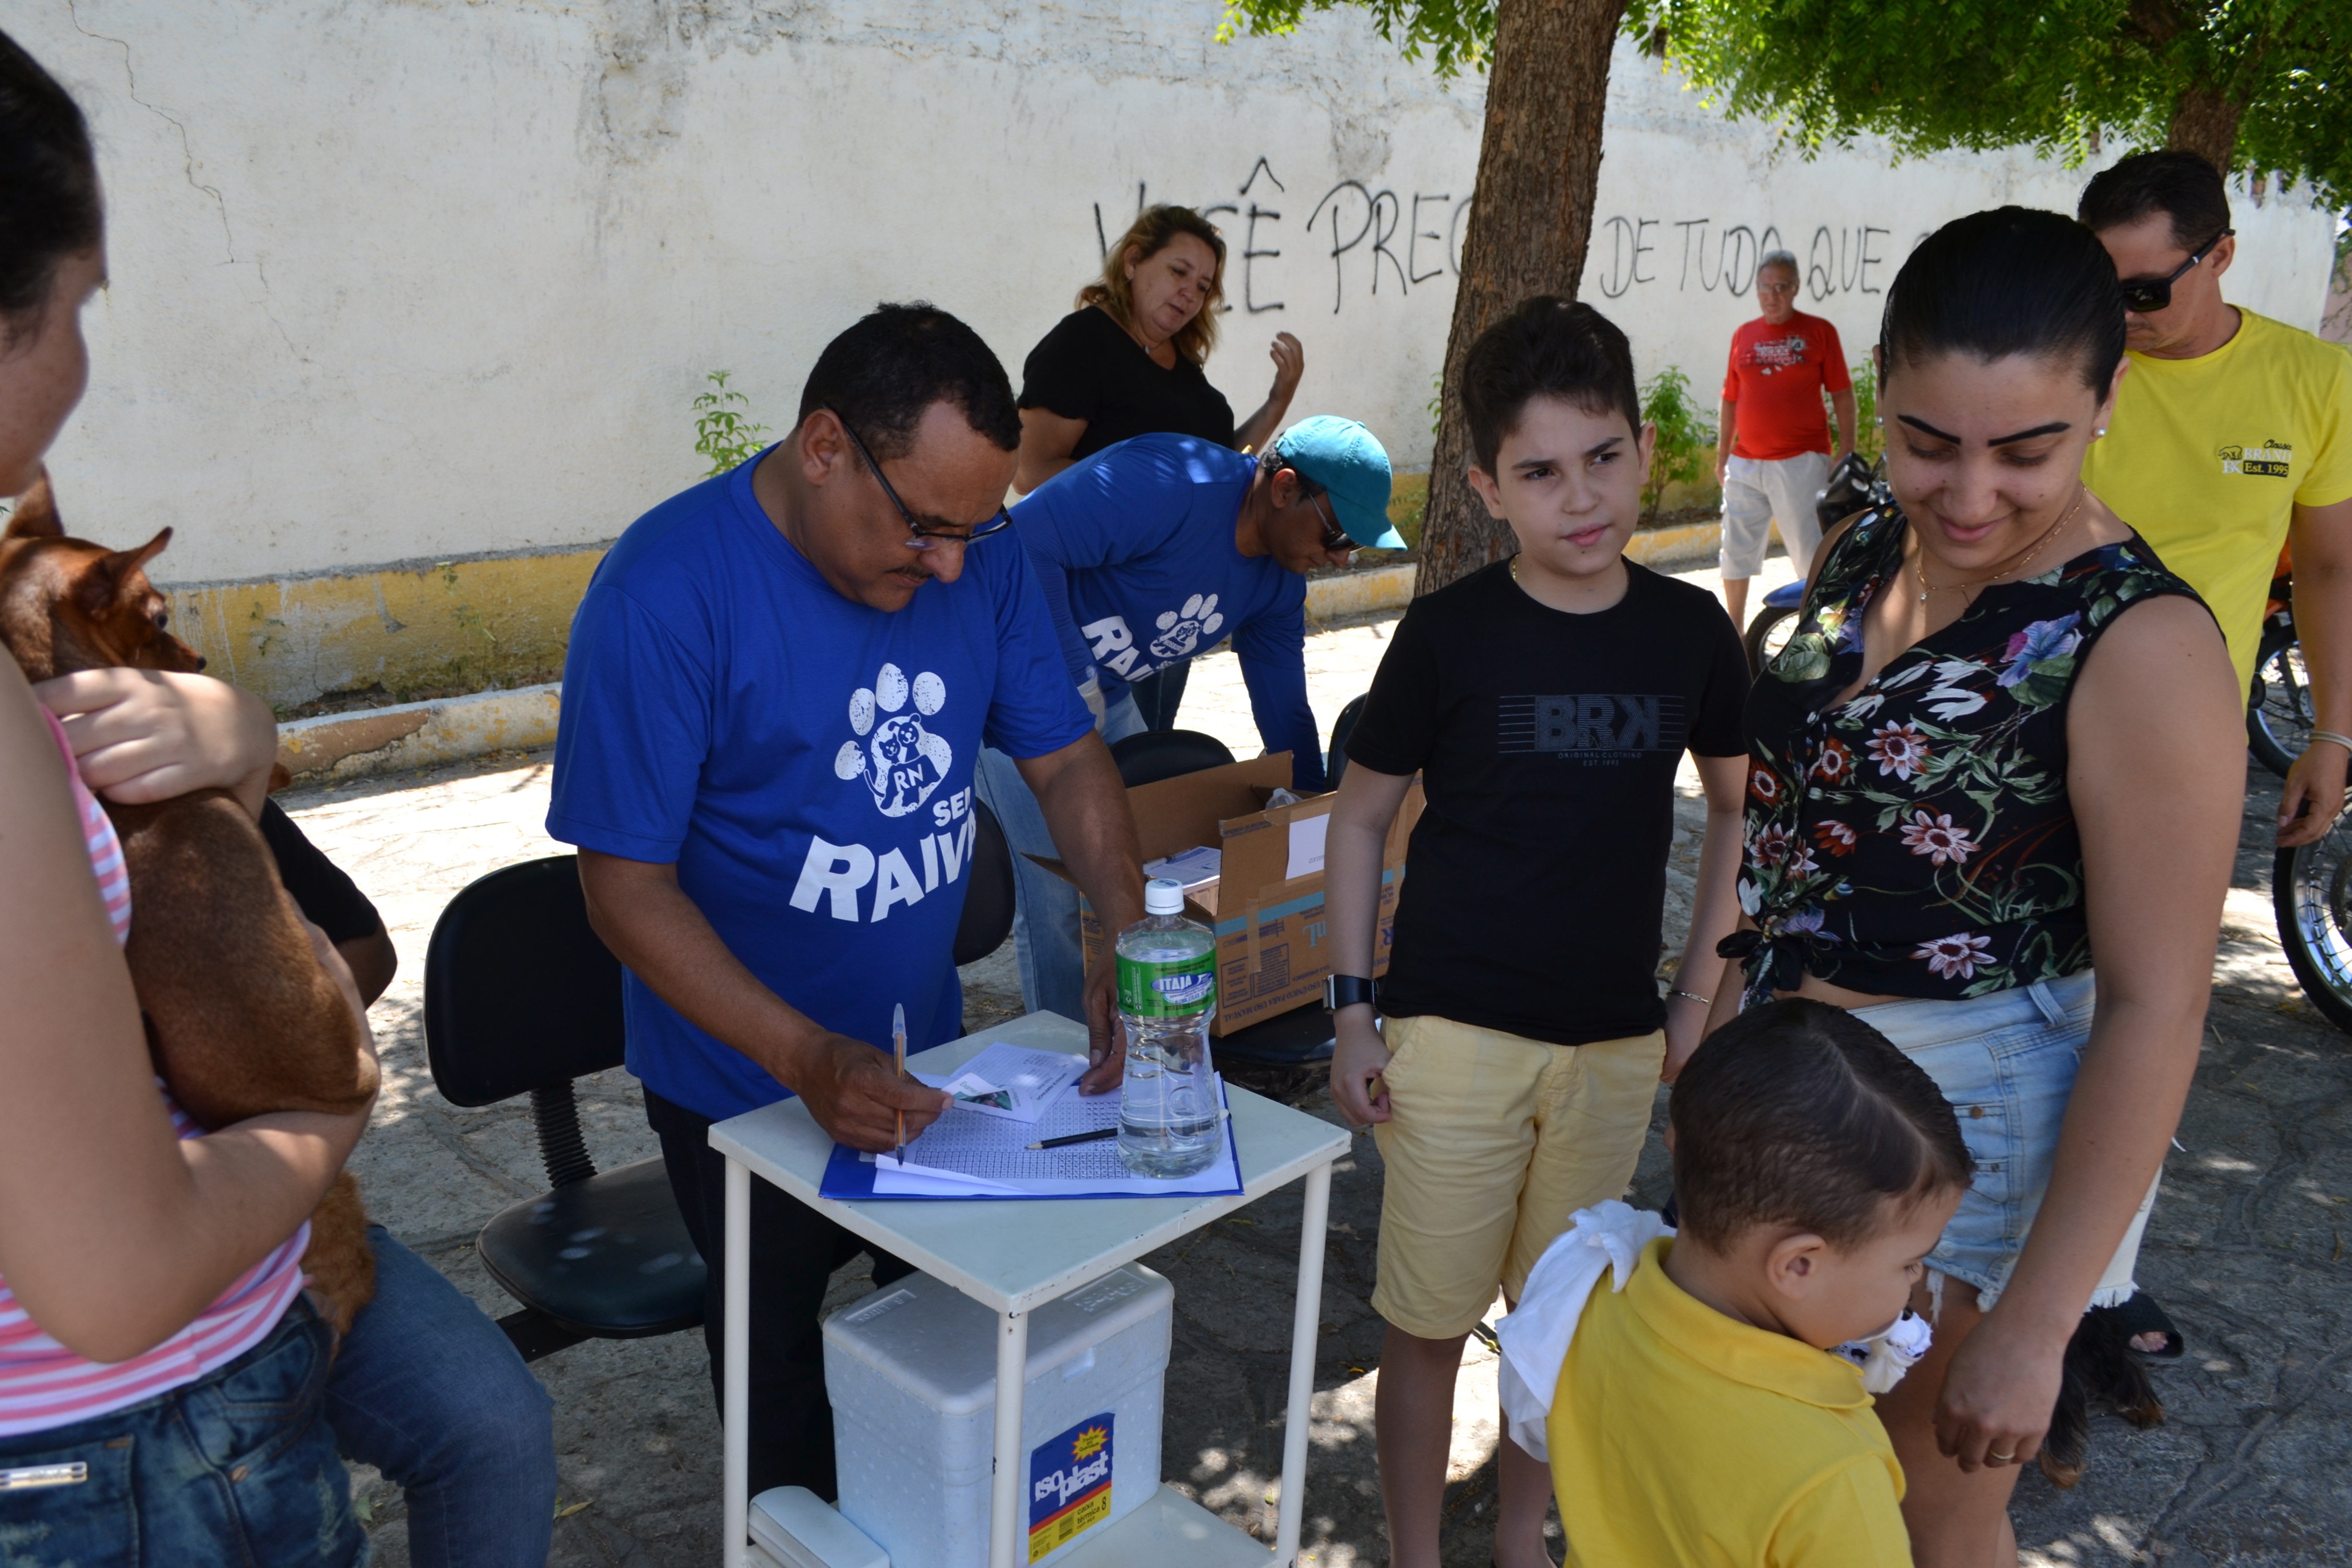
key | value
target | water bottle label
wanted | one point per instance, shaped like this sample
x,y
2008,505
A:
x,y
1172,990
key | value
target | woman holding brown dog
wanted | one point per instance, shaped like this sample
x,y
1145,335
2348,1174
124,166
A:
x,y
165,1388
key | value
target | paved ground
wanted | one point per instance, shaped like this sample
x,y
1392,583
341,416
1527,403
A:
x,y
2247,1248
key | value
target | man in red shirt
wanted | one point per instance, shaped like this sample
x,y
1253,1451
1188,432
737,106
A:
x,y
1773,450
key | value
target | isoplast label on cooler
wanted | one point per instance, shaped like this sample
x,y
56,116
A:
x,y
1069,1485
1172,990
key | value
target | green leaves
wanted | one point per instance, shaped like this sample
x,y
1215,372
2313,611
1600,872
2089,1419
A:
x,y
2059,76
1685,435
1455,34
720,434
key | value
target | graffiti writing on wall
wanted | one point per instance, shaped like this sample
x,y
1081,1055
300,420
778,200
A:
x,y
1697,252
1389,242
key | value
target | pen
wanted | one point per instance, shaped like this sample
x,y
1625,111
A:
x,y
1094,1137
898,1047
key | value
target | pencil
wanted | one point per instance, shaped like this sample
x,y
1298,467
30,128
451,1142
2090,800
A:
x,y
898,1048
1094,1137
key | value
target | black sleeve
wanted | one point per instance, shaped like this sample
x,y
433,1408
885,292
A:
x,y
1061,370
329,899
1399,726
1720,731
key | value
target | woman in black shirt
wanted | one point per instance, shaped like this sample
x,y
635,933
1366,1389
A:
x,y
1126,363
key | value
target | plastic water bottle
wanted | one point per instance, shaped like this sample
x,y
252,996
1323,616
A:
x,y
1168,1120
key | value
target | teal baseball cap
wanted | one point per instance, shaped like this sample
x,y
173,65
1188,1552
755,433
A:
x,y
1348,462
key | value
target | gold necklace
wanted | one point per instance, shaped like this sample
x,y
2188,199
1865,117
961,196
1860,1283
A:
x,y
1919,563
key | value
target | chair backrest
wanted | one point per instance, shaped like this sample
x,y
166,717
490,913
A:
x,y
519,992
988,891
1341,728
1156,754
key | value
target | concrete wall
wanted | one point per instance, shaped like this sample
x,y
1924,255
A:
x,y
399,283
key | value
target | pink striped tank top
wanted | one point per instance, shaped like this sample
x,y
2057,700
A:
x,y
42,1384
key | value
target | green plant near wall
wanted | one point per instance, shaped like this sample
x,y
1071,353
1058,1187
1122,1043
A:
x,y
721,434
1868,438
1685,444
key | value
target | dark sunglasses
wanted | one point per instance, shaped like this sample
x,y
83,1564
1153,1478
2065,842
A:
x,y
917,536
1334,536
2144,295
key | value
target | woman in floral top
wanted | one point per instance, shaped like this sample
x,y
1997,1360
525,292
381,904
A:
x,y
2002,737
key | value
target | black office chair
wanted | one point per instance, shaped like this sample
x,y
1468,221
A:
x,y
1336,763
1157,755
521,996
988,891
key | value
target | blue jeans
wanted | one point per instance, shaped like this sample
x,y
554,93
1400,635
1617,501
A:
x,y
234,1468
1045,908
430,1391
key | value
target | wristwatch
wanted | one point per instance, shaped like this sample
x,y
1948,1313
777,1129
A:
x,y
1346,990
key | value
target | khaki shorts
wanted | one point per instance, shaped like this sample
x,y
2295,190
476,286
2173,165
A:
x,y
1494,1143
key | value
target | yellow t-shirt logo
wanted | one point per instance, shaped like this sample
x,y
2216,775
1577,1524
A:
x,y
2270,461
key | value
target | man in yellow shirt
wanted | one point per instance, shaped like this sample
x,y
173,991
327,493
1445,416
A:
x,y
2232,435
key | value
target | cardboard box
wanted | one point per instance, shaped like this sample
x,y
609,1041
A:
x,y
1272,951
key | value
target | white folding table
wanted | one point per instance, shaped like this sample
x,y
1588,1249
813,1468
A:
x,y
1014,1257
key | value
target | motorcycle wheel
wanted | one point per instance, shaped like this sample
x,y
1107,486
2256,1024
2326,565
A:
x,y
2279,715
2311,893
1766,636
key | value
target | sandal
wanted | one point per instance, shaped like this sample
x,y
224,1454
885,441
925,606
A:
x,y
2143,1315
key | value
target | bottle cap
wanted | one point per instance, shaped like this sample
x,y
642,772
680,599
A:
x,y
1163,895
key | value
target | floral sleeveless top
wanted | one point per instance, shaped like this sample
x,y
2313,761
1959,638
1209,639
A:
x,y
1918,841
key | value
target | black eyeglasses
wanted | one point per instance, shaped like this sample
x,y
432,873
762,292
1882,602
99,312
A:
x,y
2144,295
917,536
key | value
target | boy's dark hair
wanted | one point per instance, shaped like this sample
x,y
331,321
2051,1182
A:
x,y
1549,347
1800,1114
885,371
49,207
2014,280
2175,182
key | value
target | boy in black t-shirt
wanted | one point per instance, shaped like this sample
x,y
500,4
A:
x,y
1546,702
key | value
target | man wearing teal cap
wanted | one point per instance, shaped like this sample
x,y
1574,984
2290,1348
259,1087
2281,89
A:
x,y
1157,550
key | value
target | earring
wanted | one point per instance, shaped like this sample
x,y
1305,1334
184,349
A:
x,y
2100,431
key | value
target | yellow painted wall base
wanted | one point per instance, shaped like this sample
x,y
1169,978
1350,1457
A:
x,y
416,630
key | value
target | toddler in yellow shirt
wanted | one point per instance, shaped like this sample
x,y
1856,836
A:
x,y
1708,1407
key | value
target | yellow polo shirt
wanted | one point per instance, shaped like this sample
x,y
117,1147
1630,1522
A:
x,y
2207,458
1679,1436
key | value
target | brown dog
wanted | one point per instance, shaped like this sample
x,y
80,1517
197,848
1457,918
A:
x,y
241,1018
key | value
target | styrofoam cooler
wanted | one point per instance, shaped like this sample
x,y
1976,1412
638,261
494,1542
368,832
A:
x,y
912,1374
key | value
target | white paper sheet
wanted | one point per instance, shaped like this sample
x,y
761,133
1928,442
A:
x,y
967,1154
1192,867
1307,844
1010,1081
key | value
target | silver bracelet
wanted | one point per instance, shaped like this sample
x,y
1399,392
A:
x,y
1695,997
2332,737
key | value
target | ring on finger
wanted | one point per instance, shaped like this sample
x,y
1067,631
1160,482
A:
x,y
1999,1458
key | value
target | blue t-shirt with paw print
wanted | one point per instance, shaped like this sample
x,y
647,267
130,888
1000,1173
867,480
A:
x,y
1134,549
803,759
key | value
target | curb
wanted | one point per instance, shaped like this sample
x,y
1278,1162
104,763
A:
x,y
419,734
1360,593
1693,541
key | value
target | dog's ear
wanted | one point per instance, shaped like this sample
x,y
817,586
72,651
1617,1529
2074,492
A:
x,y
35,516
109,577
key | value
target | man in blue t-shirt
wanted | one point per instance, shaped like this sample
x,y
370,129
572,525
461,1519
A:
x,y
778,685
1154,551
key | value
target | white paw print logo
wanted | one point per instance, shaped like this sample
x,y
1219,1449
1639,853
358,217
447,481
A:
x,y
901,762
1182,631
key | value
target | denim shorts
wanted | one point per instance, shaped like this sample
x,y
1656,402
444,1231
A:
x,y
239,1466
2006,1063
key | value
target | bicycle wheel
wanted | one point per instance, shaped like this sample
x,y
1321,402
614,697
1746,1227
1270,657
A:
x,y
2311,893
1767,635
2279,716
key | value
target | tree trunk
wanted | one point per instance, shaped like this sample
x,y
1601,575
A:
x,y
1538,168
2204,121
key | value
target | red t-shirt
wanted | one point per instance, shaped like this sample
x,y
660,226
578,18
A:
x,y
1777,377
